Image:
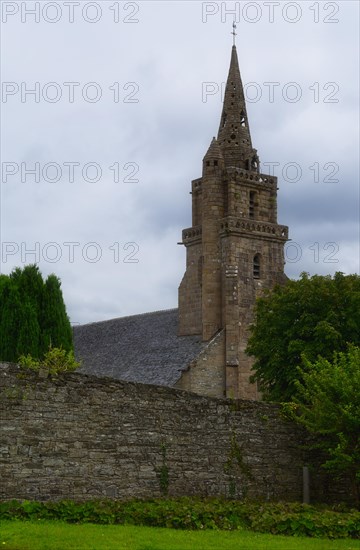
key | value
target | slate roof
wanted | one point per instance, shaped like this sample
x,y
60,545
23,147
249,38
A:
x,y
142,348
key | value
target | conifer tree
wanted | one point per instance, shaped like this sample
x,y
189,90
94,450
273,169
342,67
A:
x,y
55,326
32,315
10,321
30,284
28,340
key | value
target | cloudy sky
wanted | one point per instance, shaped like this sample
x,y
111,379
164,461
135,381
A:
x,y
109,107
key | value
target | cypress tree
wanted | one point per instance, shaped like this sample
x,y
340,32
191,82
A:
x,y
10,322
32,315
29,332
30,284
56,330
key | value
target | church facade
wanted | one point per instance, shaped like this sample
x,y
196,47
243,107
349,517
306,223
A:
x,y
234,250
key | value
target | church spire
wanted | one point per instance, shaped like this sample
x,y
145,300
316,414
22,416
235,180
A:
x,y
234,133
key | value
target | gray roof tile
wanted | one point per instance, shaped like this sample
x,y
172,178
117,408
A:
x,y
142,348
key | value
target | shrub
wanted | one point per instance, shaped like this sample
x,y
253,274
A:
x,y
194,513
55,361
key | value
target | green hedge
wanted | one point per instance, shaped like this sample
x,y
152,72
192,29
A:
x,y
192,513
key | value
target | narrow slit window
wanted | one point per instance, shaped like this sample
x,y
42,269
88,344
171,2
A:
x,y
252,204
256,266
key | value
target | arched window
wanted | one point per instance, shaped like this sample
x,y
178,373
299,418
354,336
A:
x,y
252,204
256,266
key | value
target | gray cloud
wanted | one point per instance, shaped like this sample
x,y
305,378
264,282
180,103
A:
x,y
169,54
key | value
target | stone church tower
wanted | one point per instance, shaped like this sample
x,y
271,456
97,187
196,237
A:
x,y
234,250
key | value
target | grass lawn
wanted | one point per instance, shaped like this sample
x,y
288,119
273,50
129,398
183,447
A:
x,y
53,535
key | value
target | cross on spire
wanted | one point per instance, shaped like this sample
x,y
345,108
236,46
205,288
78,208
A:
x,y
234,33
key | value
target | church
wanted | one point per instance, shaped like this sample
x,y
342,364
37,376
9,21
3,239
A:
x,y
234,251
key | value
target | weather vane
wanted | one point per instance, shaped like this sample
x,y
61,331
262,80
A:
x,y
234,30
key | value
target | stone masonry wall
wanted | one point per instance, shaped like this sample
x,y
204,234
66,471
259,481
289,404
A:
x,y
206,374
83,437
190,320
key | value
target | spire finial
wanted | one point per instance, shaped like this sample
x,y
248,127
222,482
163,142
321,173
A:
x,y
234,31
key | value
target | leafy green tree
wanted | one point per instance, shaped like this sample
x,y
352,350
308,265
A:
x,y
314,316
56,328
4,281
329,407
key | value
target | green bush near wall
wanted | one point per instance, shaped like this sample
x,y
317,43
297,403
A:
x,y
190,513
